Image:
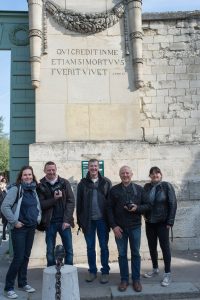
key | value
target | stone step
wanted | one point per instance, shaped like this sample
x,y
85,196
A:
x,y
178,290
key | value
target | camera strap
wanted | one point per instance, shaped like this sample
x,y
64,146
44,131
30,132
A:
x,y
134,189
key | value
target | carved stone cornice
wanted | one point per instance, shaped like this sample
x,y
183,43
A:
x,y
35,59
136,35
137,61
137,4
88,23
32,2
35,32
15,39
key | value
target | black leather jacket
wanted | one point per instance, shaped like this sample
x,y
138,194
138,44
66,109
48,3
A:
x,y
118,216
47,201
164,206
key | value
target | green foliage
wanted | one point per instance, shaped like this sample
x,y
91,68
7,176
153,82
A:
x,y
4,149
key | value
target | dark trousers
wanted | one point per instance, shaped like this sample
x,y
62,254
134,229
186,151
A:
x,y
22,240
66,237
155,232
133,235
99,227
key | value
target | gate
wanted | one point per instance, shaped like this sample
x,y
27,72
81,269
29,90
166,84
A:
x,y
14,37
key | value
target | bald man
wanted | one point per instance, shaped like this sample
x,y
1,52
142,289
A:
x,y
126,204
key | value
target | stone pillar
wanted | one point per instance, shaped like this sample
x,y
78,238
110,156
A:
x,y
35,34
69,283
135,27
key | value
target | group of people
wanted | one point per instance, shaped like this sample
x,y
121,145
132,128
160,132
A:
x,y
49,206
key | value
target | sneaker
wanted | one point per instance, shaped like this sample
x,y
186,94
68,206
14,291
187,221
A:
x,y
11,294
166,279
104,278
29,289
152,273
90,277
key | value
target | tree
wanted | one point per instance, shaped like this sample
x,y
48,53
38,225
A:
x,y
4,149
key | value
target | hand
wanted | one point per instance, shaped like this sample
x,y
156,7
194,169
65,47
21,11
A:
x,y
133,209
65,225
168,226
57,194
118,232
19,225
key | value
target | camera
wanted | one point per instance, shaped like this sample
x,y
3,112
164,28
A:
x,y
129,205
56,188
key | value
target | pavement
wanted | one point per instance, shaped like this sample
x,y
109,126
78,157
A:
x,y
185,284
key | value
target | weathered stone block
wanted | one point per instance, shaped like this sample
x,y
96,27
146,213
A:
x,y
166,122
182,84
177,46
162,107
180,69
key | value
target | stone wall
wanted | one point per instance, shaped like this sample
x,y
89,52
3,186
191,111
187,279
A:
x,y
169,120
170,102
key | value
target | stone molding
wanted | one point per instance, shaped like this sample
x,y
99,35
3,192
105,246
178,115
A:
x,y
35,59
136,35
170,15
13,35
35,32
35,35
137,61
85,23
33,2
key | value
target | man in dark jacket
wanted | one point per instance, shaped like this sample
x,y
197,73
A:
x,y
127,203
92,201
57,203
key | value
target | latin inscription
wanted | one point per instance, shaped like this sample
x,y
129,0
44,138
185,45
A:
x,y
92,62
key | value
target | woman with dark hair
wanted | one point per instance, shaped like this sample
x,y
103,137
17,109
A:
x,y
159,220
21,207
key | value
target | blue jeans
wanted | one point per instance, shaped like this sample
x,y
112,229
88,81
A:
x,y
22,240
134,237
66,237
100,227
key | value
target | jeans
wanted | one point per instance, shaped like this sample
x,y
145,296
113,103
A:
x,y
134,237
100,227
154,232
66,237
22,240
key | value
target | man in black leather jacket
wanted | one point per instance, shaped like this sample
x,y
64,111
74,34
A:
x,y
127,203
92,201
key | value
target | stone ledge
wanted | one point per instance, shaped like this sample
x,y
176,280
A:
x,y
175,291
157,16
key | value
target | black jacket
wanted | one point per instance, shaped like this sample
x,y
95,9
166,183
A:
x,y
84,200
48,202
118,215
164,206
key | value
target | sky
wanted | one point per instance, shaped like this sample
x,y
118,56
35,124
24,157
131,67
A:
x,y
147,6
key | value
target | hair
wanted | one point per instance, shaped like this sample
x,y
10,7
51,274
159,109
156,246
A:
x,y
19,176
123,167
92,160
155,170
49,163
